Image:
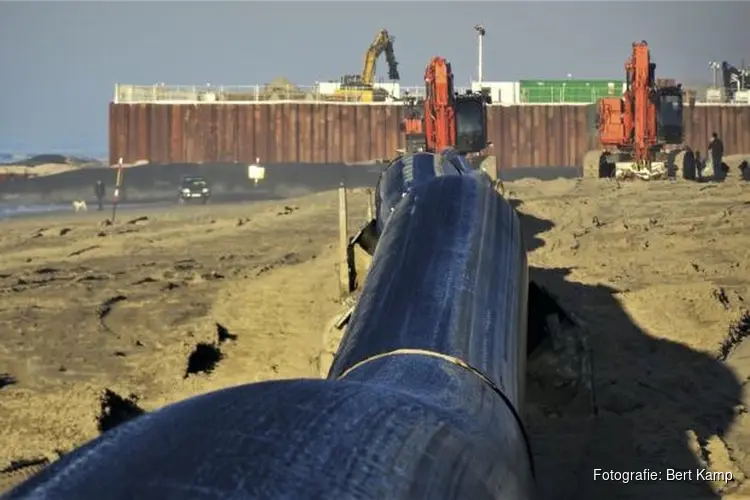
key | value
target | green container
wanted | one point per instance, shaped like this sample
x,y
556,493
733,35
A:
x,y
568,91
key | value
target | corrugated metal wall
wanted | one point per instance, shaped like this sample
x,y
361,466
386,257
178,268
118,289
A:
x,y
288,133
330,133
532,136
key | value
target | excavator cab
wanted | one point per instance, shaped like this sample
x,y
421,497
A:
x,y
412,126
471,122
669,107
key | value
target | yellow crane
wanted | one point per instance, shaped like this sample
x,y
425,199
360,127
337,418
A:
x,y
360,87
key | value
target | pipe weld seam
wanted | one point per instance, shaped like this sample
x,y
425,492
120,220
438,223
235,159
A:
x,y
458,362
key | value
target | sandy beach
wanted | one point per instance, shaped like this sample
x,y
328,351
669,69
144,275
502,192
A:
x,y
101,322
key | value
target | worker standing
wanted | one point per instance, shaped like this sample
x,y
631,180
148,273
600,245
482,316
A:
x,y
99,190
700,164
716,154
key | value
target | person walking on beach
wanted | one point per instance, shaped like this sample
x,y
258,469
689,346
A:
x,y
99,190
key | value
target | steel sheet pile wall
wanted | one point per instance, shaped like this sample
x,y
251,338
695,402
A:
x,y
288,133
331,133
533,136
732,123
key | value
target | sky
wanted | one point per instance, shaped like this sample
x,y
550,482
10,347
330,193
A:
x,y
59,61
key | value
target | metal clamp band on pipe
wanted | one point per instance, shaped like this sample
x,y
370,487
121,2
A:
x,y
449,275
447,290
452,268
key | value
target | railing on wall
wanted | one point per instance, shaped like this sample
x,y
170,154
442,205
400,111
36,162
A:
x,y
562,95
234,94
238,94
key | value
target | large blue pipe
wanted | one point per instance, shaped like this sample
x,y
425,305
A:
x,y
453,277
422,401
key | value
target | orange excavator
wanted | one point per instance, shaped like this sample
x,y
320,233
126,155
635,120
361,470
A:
x,y
641,134
445,119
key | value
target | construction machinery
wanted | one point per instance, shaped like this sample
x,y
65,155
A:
x,y
641,133
446,119
736,83
412,126
360,88
445,123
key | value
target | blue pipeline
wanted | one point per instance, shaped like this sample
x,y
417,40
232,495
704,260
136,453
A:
x,y
422,400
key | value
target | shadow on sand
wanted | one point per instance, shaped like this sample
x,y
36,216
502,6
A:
x,y
657,402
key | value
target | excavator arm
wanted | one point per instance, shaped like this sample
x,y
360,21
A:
x,y
452,120
383,43
360,87
641,119
390,58
631,122
439,112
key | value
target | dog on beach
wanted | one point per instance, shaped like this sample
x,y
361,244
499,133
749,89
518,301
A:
x,y
80,206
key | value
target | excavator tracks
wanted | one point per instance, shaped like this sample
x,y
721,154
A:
x,y
679,163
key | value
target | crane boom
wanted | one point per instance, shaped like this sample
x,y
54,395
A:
x,y
383,43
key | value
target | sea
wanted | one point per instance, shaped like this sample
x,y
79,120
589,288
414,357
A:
x,y
13,210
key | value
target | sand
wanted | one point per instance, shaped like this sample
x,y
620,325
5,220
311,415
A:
x,y
38,170
46,169
658,274
99,322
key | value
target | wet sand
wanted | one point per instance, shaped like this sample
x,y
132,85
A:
x,y
101,322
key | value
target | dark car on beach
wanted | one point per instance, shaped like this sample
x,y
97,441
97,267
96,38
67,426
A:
x,y
194,188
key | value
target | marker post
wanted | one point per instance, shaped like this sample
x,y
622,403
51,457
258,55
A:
x,y
118,183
